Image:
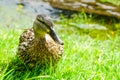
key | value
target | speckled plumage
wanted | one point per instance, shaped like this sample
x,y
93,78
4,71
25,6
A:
x,y
41,50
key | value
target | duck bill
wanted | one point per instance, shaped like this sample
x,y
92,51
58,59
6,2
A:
x,y
55,37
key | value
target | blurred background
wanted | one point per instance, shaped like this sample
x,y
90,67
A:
x,y
26,10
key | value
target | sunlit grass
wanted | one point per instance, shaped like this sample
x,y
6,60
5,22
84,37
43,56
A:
x,y
84,57
115,2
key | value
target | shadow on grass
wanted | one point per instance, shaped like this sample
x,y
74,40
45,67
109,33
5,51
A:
x,y
17,70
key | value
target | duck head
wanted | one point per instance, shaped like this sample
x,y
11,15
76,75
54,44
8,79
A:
x,y
44,25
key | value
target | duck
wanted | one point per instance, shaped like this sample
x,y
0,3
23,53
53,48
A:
x,y
40,44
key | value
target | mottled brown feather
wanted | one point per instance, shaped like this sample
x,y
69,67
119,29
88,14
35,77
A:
x,y
42,51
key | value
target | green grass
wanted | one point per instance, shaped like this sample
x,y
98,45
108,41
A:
x,y
115,2
85,57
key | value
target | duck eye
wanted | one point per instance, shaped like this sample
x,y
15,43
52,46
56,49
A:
x,y
39,19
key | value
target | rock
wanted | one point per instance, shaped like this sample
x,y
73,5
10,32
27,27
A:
x,y
88,6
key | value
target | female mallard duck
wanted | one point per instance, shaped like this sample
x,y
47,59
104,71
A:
x,y
40,44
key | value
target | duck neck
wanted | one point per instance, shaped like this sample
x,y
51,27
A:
x,y
39,35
